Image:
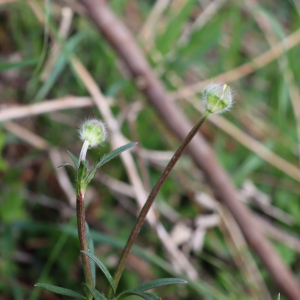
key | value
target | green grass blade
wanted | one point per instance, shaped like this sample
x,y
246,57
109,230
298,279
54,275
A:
x,y
19,64
58,67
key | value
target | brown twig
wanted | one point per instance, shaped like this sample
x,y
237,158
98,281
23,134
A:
x,y
123,42
16,112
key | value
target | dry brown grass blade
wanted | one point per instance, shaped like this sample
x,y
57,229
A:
x,y
255,146
69,102
66,20
209,11
267,28
148,29
243,70
3,2
242,257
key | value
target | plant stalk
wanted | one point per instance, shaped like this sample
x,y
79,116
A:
x,y
142,215
83,240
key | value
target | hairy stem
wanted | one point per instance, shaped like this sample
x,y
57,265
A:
x,y
83,151
83,240
142,216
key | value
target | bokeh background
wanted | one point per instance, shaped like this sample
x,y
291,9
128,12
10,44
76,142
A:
x,y
51,56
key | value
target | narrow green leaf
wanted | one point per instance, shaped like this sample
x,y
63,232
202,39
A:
x,y
278,297
156,283
146,296
106,158
74,158
96,294
150,285
19,64
59,66
102,267
114,153
69,165
91,250
59,290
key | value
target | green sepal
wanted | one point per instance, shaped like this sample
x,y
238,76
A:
x,y
59,290
91,250
150,285
82,170
96,294
102,267
74,159
104,159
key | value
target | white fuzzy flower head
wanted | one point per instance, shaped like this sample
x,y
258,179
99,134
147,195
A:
x,y
217,98
93,131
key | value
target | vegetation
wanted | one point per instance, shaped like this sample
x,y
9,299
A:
x,y
46,49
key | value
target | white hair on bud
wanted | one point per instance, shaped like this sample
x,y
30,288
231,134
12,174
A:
x,y
217,98
94,131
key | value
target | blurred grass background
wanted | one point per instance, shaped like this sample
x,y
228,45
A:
x,y
190,41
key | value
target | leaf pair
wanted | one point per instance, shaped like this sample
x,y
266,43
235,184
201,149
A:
x,y
137,291
81,167
96,294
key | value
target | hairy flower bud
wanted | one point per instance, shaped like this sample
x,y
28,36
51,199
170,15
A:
x,y
217,98
93,131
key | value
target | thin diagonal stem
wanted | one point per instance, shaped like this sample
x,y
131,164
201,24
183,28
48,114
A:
x,y
142,216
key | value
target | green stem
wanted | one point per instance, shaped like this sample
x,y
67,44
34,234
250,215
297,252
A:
x,y
83,240
142,216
